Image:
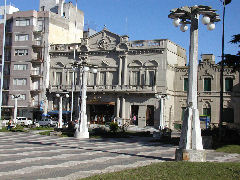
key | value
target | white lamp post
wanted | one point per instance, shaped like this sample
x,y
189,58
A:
x,y
3,60
82,129
190,146
15,97
60,96
161,97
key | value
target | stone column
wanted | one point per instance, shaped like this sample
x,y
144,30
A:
x,y
117,107
107,79
120,72
147,77
125,71
98,78
123,108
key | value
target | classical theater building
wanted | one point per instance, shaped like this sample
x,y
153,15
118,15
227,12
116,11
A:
x,y
144,79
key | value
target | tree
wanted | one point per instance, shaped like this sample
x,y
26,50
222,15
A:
x,y
233,60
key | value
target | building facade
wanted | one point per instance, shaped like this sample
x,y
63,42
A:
x,y
145,79
29,35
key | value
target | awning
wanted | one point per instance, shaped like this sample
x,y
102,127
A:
x,y
57,112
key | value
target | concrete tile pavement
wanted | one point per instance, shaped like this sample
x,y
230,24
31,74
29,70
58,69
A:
x,y
32,156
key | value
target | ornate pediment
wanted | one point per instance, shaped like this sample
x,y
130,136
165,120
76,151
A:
x,y
135,63
59,64
103,40
151,63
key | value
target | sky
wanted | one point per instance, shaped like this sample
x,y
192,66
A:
x,y
148,20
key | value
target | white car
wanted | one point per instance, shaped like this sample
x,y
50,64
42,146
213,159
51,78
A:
x,y
24,121
47,122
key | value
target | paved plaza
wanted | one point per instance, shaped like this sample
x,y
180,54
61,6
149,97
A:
x,y
32,156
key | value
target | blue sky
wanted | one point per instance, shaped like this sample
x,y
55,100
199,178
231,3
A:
x,y
148,19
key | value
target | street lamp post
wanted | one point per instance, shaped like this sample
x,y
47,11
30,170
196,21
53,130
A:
x,y
60,95
72,92
15,97
161,97
190,146
225,2
3,60
82,129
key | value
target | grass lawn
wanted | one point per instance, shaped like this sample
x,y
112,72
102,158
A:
x,y
45,133
42,128
176,170
229,149
4,129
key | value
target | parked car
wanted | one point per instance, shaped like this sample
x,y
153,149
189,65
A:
x,y
47,122
24,121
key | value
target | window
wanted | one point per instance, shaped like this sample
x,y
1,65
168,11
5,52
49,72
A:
x,y
136,77
21,97
58,78
185,85
19,81
207,84
151,78
22,37
207,112
228,115
21,52
20,67
23,22
228,84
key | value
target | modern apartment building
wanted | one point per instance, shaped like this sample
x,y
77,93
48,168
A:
x,y
147,79
29,35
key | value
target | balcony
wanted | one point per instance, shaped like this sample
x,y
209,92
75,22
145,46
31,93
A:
x,y
36,88
106,88
38,29
37,44
36,58
35,103
36,74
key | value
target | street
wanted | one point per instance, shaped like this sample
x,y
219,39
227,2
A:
x,y
32,156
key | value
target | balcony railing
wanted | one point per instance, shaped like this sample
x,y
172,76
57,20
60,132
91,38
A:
x,y
35,103
36,87
147,43
36,58
106,88
38,29
37,73
37,43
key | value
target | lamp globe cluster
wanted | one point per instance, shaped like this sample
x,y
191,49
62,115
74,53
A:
x,y
205,20
177,22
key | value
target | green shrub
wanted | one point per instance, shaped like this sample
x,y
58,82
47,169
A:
x,y
113,127
18,128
